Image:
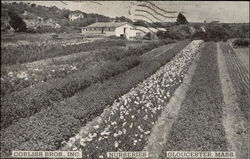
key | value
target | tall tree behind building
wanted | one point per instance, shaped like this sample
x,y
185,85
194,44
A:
x,y
16,22
181,19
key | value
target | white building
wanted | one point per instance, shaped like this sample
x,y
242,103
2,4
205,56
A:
x,y
75,16
118,29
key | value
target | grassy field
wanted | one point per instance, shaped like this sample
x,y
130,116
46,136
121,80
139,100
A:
x,y
44,113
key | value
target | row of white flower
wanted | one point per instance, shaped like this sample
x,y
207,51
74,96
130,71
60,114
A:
x,y
137,105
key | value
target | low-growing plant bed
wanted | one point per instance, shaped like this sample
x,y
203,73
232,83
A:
x,y
31,100
199,123
47,129
239,76
15,78
33,52
24,103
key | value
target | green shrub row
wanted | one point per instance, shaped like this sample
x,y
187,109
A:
x,y
47,129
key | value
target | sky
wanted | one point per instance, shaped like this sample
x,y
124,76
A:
x,y
195,11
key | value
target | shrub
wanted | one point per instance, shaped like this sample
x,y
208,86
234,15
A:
x,y
216,33
199,36
241,43
181,19
17,22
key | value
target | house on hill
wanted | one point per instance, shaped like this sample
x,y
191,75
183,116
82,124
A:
x,y
119,29
75,16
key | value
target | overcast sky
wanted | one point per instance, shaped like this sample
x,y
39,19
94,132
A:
x,y
195,11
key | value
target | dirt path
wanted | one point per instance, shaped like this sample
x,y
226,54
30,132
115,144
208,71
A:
x,y
233,119
157,138
199,125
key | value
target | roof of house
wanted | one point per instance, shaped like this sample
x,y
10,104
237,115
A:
x,y
108,24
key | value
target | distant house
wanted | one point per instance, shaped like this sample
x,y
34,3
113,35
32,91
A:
x,y
75,16
203,28
118,29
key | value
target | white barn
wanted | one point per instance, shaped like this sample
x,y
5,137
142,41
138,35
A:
x,y
118,29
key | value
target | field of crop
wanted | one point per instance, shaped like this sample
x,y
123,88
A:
x,y
54,90
126,125
99,95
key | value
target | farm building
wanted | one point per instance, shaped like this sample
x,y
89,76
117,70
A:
x,y
75,16
118,29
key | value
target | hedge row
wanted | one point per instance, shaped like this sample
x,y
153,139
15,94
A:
x,y
47,129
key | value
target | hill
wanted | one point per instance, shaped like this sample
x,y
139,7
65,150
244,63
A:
x,y
46,19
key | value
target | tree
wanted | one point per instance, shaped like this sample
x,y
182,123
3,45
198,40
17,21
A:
x,y
16,22
33,5
66,13
123,19
216,33
181,19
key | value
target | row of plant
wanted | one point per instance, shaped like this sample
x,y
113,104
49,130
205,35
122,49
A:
x,y
47,129
17,77
129,121
24,103
47,42
199,124
29,53
239,76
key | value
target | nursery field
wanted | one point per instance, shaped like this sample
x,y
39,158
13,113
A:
x,y
70,88
107,95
